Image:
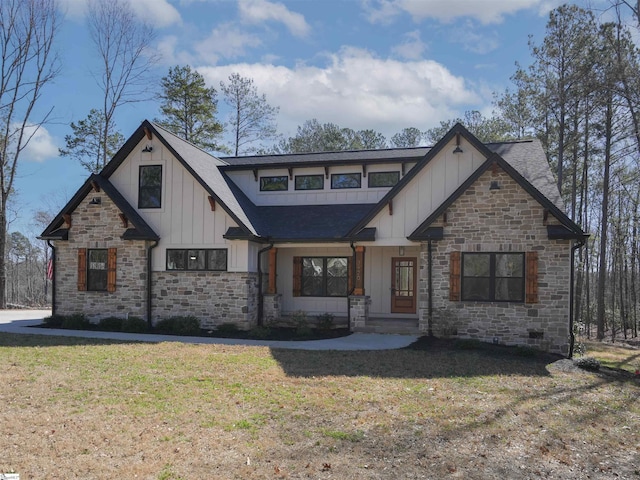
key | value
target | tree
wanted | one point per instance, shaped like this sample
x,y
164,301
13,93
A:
x,y
189,108
492,129
123,48
86,144
408,137
312,136
28,63
252,118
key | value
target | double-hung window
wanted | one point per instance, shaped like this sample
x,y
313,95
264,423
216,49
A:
x,y
97,270
490,277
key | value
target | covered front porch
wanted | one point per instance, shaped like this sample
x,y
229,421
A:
x,y
380,285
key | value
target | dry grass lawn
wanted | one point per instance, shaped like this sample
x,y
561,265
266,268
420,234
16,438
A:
x,y
83,409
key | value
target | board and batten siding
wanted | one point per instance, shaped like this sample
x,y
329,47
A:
x,y
426,192
185,219
246,181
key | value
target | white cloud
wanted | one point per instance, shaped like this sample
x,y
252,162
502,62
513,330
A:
x,y
485,11
412,48
168,50
225,41
472,41
41,145
357,90
159,13
259,11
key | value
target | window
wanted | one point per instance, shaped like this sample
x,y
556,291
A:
x,y
272,184
197,259
346,180
150,186
324,277
309,182
97,269
383,179
493,277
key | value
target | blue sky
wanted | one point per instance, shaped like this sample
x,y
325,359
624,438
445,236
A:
x,y
381,64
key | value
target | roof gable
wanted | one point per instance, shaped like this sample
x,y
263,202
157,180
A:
x,y
140,231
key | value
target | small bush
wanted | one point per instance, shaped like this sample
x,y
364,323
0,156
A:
x,y
179,326
110,324
77,321
325,321
227,328
54,321
260,332
588,363
468,344
134,325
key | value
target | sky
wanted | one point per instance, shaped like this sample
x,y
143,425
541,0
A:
x,y
380,64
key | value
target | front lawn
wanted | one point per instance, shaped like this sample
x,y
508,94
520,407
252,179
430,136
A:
x,y
87,409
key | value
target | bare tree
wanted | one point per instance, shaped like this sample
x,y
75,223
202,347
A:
x,y
251,117
123,47
28,64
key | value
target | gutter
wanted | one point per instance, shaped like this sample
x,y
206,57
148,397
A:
x,y
53,278
572,337
149,273
353,286
430,289
260,295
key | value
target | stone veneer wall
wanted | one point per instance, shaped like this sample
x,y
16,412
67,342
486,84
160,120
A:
x,y
271,308
98,226
213,297
504,220
358,311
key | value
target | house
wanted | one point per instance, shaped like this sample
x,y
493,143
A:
x,y
460,239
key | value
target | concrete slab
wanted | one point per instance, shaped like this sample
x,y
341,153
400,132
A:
x,y
22,321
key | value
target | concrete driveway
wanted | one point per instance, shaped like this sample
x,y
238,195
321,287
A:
x,y
23,321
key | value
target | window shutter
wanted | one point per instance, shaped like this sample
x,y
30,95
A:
x,y
82,269
111,270
297,276
531,281
454,277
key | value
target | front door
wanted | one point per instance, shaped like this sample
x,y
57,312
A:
x,y
403,285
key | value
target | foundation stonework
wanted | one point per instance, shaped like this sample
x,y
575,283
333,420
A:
x,y
504,220
212,297
97,225
358,312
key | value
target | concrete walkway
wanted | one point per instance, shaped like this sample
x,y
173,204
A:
x,y
22,321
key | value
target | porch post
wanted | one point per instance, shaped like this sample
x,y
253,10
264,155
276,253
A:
x,y
273,257
359,273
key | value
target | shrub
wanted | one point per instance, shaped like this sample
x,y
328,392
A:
x,y
588,363
260,332
179,326
110,324
301,324
134,325
77,321
54,321
227,328
325,321
468,344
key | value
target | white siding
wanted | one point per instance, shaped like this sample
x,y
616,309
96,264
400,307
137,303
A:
x,y
425,193
248,184
185,219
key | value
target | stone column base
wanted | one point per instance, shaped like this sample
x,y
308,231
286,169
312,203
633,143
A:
x,y
358,312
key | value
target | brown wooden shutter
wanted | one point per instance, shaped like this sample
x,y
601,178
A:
x,y
531,278
454,277
297,276
111,270
82,269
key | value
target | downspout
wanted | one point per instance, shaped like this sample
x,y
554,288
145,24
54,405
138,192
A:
x,y
149,265
572,336
430,290
353,286
53,278
260,295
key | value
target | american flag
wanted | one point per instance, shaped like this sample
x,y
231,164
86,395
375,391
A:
x,y
50,269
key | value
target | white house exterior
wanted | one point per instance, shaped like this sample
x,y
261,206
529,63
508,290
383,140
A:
x,y
461,239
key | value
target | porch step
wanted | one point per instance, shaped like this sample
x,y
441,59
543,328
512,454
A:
x,y
393,326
